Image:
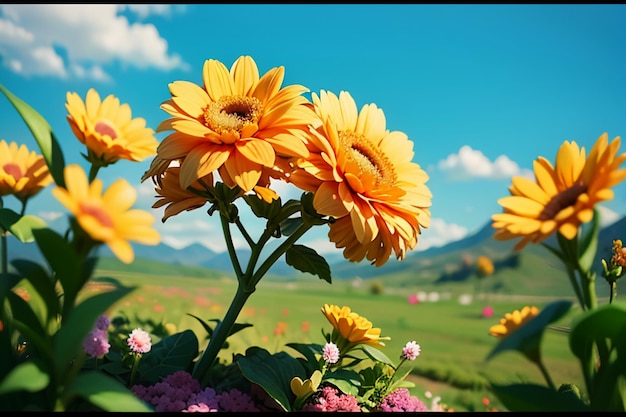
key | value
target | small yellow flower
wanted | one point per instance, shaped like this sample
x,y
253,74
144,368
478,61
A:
x,y
484,266
562,197
23,173
107,217
108,129
619,254
351,329
513,321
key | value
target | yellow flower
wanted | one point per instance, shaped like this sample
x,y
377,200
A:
x,y
107,217
237,123
484,266
22,173
562,197
513,321
362,175
178,199
108,129
351,329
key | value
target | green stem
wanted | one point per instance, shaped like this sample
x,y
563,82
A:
x,y
613,292
5,251
221,332
545,374
572,278
232,253
588,282
93,172
133,372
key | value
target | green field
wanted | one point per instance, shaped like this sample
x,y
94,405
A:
x,y
453,336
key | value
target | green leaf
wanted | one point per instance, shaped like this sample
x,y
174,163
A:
x,y
20,226
272,372
27,322
7,282
531,397
309,351
376,354
307,260
290,225
604,322
41,282
106,393
42,132
27,376
174,353
69,339
62,260
346,380
261,208
589,243
528,337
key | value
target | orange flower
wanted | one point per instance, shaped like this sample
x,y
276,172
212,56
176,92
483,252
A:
x,y
107,217
22,173
363,176
108,129
562,197
351,329
178,199
239,124
513,321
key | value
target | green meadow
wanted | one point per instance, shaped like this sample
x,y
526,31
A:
x,y
453,336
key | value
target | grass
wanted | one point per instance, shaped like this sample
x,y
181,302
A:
x,y
453,336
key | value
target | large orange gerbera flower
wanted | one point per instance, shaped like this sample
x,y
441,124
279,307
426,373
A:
x,y
237,124
562,197
23,173
351,329
362,175
107,217
513,321
108,129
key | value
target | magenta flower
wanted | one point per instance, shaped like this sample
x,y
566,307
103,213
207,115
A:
x,y
413,299
411,350
103,322
330,353
139,341
331,399
487,312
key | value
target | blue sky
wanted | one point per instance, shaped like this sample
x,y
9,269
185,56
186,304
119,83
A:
x,y
481,90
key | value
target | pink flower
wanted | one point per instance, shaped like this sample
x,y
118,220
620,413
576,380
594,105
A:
x,y
331,399
330,353
413,299
487,312
103,322
401,400
411,350
139,341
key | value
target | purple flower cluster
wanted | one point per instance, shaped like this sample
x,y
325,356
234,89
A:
x,y
96,342
181,392
401,400
331,399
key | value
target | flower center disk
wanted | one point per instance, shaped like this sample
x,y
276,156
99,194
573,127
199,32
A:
x,y
233,113
369,159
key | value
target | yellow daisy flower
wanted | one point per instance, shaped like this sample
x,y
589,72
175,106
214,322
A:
x,y
513,321
237,123
108,129
363,176
562,197
23,173
107,217
177,199
484,266
351,329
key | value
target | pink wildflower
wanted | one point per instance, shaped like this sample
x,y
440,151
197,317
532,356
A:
x,y
411,351
103,322
331,399
139,341
330,353
401,400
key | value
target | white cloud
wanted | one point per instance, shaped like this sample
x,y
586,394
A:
x,y
51,215
62,40
607,216
440,233
469,163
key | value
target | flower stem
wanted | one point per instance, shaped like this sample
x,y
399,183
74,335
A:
x,y
133,372
613,292
221,332
545,374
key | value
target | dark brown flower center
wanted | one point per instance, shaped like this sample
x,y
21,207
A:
x,y
368,158
562,200
233,113
14,170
